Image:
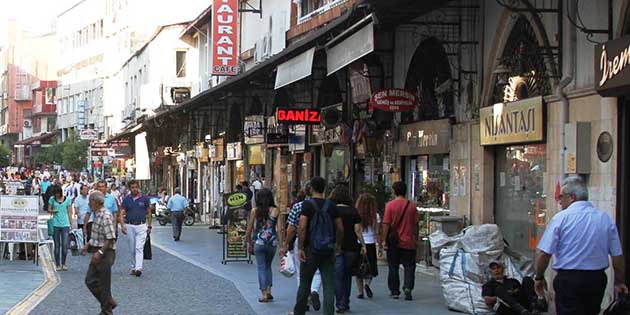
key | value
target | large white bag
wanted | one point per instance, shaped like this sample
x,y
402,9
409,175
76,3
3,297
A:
x,y
287,265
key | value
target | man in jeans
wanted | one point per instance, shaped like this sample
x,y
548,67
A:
x,y
293,223
402,217
313,258
137,214
177,204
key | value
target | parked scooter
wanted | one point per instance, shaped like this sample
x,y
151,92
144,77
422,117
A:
x,y
163,214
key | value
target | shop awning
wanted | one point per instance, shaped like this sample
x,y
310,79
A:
x,y
350,45
127,133
295,69
37,140
296,48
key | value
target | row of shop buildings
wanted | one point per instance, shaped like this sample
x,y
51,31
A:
x,y
480,107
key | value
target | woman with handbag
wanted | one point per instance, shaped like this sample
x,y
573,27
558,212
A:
x,y
371,230
262,239
352,246
60,208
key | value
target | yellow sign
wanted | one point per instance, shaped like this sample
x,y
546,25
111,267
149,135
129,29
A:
x,y
515,122
237,199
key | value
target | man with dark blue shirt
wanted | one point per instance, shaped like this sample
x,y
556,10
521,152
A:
x,y
137,215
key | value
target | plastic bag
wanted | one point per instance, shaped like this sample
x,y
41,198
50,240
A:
x,y
287,265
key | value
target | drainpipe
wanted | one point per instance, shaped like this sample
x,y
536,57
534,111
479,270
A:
x,y
568,78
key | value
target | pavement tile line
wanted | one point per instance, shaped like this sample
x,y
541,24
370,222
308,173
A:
x,y
51,281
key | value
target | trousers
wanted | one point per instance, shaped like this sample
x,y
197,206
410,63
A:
x,y
316,284
395,257
99,281
579,292
60,238
326,265
177,218
137,236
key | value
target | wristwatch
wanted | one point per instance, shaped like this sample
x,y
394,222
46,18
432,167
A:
x,y
101,252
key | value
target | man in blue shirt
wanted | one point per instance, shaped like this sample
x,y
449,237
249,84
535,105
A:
x,y
580,237
83,212
177,204
111,205
137,213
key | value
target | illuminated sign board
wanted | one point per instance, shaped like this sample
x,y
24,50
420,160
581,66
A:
x,y
298,116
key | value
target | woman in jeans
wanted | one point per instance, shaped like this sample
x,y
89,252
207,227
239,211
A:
x,y
371,230
60,208
262,238
352,246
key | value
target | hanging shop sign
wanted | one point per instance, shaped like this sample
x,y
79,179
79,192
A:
x,y
292,116
320,135
88,134
297,138
216,150
277,134
394,100
234,151
225,37
515,122
255,155
611,59
254,129
18,219
360,82
425,137
234,240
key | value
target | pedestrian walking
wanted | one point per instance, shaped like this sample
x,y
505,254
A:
x,y
262,239
400,224
103,246
371,230
36,188
291,241
580,238
137,217
45,185
250,195
177,204
111,204
59,206
83,213
352,246
320,234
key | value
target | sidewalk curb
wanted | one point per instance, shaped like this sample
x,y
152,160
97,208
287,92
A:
x,y
51,281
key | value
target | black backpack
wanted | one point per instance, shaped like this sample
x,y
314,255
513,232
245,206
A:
x,y
321,229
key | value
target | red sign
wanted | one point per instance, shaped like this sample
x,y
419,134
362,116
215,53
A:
x,y
394,100
225,37
298,116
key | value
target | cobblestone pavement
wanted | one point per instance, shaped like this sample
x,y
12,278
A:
x,y
168,286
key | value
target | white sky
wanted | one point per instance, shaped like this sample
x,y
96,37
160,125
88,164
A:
x,y
34,15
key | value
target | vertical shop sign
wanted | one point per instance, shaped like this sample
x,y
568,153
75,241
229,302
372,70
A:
x,y
225,38
234,241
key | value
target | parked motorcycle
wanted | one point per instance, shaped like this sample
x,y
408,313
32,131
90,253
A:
x,y
163,214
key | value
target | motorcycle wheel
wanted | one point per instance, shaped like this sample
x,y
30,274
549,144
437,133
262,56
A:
x,y
189,220
162,222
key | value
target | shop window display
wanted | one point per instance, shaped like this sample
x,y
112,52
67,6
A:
x,y
520,195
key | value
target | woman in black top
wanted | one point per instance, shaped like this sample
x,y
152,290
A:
x,y
345,263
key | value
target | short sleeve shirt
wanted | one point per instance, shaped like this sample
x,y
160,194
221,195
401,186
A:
x,y
136,208
309,211
110,204
60,217
407,226
294,214
102,229
83,206
177,203
350,217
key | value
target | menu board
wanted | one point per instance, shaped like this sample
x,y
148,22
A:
x,y
234,246
18,219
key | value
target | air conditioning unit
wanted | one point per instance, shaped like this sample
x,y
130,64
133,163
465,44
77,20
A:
x,y
263,48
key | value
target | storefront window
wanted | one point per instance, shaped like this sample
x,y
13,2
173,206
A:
x,y
428,180
520,195
332,167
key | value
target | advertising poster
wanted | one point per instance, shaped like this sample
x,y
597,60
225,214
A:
x,y
234,247
18,218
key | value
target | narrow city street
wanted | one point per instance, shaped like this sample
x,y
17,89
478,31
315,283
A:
x,y
168,286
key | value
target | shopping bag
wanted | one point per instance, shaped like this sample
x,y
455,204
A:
x,y
364,271
148,255
51,227
287,265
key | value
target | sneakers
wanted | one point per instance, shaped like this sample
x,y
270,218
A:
x,y
138,273
394,296
58,268
64,267
315,301
408,295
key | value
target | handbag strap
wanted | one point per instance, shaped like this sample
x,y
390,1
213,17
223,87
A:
x,y
403,214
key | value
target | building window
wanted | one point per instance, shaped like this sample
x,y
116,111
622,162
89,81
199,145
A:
x,y
310,8
180,64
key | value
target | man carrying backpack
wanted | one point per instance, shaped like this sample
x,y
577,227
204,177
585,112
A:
x,y
320,234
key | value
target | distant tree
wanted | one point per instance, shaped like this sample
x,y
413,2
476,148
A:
x,y
5,156
71,154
